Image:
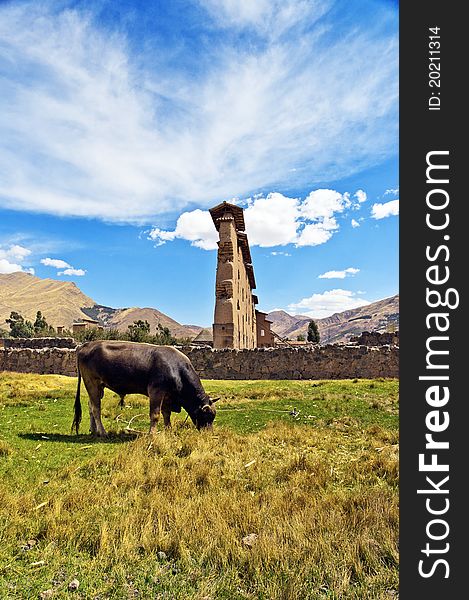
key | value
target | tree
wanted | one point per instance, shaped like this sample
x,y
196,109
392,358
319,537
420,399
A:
x,y
300,338
313,332
88,335
19,327
139,331
163,336
42,327
40,322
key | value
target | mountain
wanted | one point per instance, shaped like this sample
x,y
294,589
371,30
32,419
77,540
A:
x,y
121,318
62,302
377,316
283,323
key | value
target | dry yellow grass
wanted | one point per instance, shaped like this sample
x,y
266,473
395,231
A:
x,y
325,514
165,517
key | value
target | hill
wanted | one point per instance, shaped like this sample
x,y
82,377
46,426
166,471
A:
x,y
121,318
283,323
62,302
377,316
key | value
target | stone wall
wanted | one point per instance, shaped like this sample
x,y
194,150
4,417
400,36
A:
x,y
61,361
322,362
326,362
374,338
43,342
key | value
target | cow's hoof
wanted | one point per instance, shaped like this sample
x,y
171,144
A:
x,y
100,435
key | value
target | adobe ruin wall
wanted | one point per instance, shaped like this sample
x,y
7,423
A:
x,y
235,316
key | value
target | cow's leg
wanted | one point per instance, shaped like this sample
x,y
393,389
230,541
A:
x,y
93,429
156,401
166,410
95,391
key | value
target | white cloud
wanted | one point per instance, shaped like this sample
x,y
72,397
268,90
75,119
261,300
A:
x,y
323,305
57,263
361,196
89,129
339,274
392,191
314,234
324,203
280,253
355,223
196,226
71,271
274,220
7,267
388,209
17,253
268,17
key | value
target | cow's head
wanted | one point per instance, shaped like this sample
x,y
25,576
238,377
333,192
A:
x,y
205,414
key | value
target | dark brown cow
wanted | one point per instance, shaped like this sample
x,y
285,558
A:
x,y
162,373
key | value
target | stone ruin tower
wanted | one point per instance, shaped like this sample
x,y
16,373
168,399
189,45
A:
x,y
235,314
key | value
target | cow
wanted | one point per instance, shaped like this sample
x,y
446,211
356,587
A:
x,y
162,373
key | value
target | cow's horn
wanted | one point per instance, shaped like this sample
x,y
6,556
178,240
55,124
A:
x,y
206,408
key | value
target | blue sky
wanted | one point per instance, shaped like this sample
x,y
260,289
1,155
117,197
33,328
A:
x,y
121,123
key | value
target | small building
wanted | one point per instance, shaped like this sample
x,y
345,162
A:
x,y
265,337
84,324
203,338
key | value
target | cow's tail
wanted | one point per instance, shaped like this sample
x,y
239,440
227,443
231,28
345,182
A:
x,y
77,406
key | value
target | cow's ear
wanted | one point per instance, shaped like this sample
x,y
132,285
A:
x,y
215,399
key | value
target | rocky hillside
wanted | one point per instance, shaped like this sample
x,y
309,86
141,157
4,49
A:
x,y
379,316
121,318
62,302
285,324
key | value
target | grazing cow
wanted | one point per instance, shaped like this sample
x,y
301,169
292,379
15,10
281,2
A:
x,y
162,373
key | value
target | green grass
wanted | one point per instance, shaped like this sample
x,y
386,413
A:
x,y
319,489
249,405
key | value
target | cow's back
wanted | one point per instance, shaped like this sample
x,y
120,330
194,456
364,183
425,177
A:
x,y
131,367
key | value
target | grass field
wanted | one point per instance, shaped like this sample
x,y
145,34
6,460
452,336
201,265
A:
x,y
171,516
